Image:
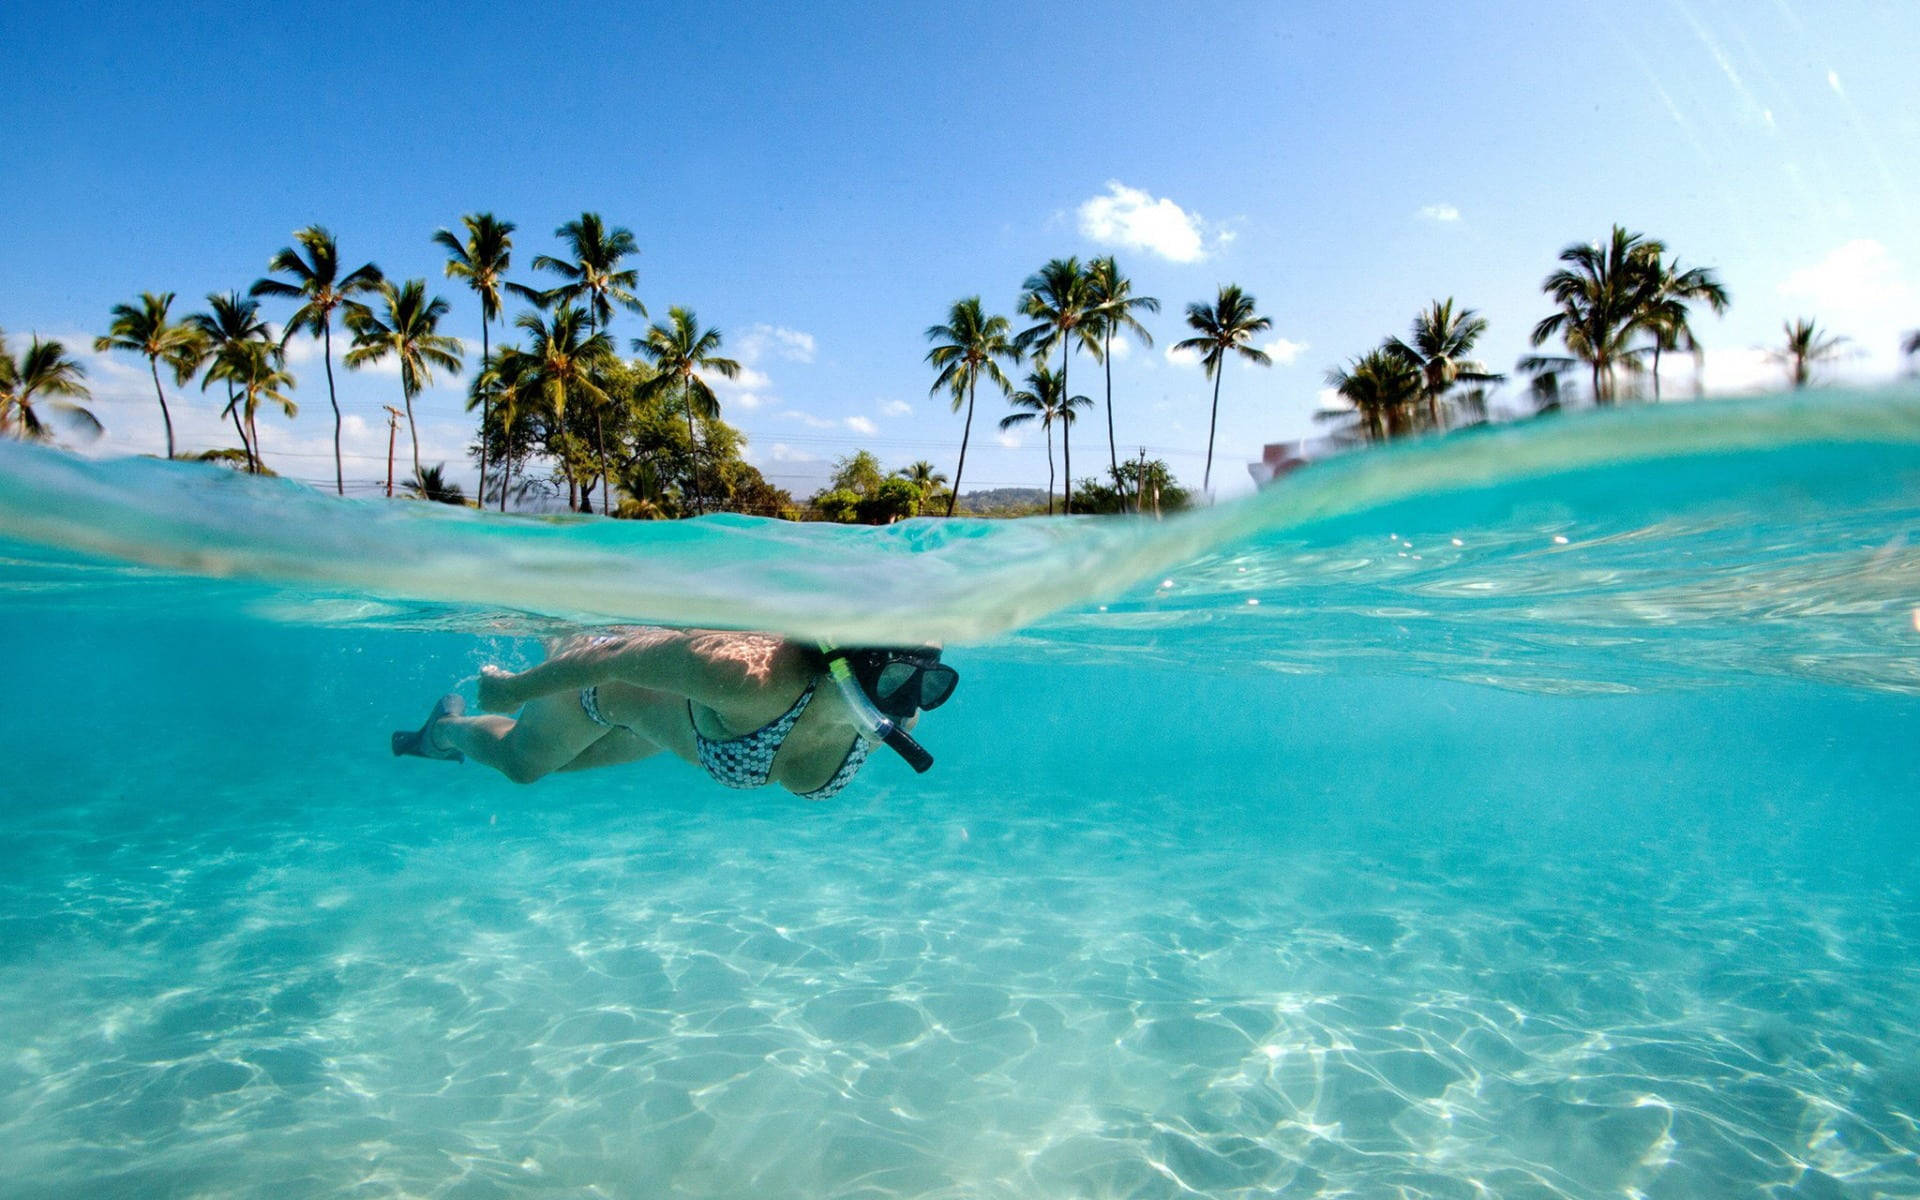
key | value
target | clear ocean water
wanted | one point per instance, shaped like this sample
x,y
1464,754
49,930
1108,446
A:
x,y
1524,814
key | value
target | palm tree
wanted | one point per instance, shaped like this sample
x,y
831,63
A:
x,y
1113,306
1673,290
1381,385
1059,299
562,363
229,320
434,485
482,260
964,351
146,330
503,382
1441,341
924,476
1606,298
679,351
410,333
594,276
43,374
1228,326
254,368
1043,401
1806,347
320,288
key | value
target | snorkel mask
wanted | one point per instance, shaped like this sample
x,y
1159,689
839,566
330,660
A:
x,y
883,689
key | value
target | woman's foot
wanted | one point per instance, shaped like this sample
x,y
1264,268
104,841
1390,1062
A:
x,y
422,742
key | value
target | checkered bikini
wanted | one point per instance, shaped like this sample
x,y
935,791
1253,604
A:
x,y
747,761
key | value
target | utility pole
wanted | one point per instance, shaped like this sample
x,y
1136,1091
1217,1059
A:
x,y
393,428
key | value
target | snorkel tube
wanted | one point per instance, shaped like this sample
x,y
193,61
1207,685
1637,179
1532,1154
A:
x,y
875,725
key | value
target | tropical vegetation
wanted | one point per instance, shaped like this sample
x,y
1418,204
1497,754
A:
x,y
1806,347
679,351
146,331
482,259
1114,306
229,321
43,375
1223,328
559,410
408,330
316,282
968,348
1045,400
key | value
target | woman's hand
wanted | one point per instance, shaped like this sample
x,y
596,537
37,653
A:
x,y
497,690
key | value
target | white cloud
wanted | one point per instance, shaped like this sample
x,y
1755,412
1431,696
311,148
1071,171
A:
x,y
896,408
1182,358
1121,350
1132,218
303,350
1833,81
1857,277
807,419
1285,351
782,453
1009,439
760,341
1727,369
862,425
751,388
1857,291
748,388
1443,213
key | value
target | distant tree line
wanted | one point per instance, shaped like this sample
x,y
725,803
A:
x,y
1619,306
558,409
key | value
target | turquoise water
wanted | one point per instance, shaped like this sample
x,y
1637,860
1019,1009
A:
x,y
1526,814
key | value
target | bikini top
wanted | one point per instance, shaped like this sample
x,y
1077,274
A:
x,y
746,761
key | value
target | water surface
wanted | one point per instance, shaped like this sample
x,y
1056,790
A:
x,y
1525,814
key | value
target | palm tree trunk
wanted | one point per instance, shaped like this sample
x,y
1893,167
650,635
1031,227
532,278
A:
x,y
233,410
413,431
485,429
339,477
1656,370
1599,398
1066,428
1113,451
253,430
606,489
506,481
693,440
1206,479
966,431
154,364
1049,425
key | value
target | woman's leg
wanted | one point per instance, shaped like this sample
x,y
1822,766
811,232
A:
x,y
550,734
619,746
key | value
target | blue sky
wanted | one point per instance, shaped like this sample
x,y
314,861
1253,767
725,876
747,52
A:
x,y
821,185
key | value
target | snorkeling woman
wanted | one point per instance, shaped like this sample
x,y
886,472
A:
x,y
751,708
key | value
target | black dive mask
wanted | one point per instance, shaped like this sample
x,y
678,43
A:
x,y
902,682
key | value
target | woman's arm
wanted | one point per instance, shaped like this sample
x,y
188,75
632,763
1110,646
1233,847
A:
x,y
716,668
